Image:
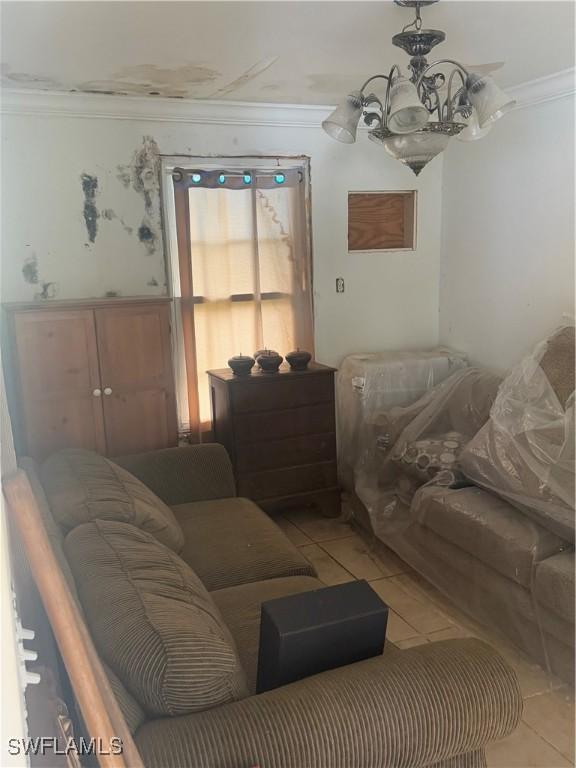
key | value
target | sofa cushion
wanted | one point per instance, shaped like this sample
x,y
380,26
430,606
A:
x,y
83,486
475,580
241,607
558,363
232,541
554,585
152,620
133,713
423,459
525,451
488,528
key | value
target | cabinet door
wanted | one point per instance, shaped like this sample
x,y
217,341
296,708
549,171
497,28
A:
x,y
137,378
59,381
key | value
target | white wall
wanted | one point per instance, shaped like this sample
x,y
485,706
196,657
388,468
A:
x,y
507,265
390,301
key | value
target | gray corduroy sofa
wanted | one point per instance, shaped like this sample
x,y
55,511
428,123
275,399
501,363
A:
x,y
170,568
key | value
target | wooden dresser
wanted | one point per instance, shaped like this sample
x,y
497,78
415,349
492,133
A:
x,y
91,374
279,429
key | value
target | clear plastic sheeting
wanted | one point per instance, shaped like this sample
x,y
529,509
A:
x,y
472,485
525,452
370,384
421,443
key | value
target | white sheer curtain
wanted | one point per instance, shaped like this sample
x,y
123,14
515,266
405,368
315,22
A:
x,y
246,278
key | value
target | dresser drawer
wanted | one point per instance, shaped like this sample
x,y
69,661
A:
x,y
289,452
284,482
274,425
249,396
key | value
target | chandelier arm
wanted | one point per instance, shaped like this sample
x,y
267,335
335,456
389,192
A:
x,y
386,110
438,107
449,98
374,77
388,78
436,63
370,117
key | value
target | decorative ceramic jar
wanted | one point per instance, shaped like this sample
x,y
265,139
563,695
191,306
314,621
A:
x,y
263,352
269,361
298,360
241,364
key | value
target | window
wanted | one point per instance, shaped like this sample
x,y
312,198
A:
x,y
381,221
240,267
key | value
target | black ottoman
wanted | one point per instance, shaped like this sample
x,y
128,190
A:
x,y
301,635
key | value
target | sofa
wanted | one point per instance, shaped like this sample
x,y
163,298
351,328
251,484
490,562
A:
x,y
169,569
477,494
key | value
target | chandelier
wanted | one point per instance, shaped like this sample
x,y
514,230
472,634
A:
x,y
421,113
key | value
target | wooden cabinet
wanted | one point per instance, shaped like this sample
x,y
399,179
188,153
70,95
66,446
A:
x,y
92,375
279,430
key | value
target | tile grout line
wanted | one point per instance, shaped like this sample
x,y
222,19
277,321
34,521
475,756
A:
x,y
317,544
378,578
550,744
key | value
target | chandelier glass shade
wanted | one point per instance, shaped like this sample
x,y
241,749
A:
x,y
419,114
343,122
472,131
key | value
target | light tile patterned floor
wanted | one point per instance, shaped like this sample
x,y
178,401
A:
x,y
420,614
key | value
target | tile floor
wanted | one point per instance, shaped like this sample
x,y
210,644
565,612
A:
x,y
420,614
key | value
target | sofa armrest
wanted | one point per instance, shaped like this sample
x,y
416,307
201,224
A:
x,y
180,475
413,708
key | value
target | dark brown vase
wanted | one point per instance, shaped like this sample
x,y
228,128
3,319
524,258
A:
x,y
241,364
263,352
270,361
298,360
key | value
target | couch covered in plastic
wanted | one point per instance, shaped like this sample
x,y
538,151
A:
x,y
475,489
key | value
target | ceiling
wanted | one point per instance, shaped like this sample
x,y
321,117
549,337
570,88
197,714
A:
x,y
285,52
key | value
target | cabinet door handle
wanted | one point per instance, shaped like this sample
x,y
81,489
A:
x,y
107,390
97,393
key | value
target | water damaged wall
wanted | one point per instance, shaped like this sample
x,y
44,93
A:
x,y
82,219
81,205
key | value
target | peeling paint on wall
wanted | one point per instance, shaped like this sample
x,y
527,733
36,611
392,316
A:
x,y
147,236
111,294
31,276
143,173
91,215
152,282
110,214
47,291
30,269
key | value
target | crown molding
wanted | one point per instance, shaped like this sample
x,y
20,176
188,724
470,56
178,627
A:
x,y
145,108
549,88
34,103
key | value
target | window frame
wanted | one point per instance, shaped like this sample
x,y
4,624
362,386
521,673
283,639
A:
x,y
169,225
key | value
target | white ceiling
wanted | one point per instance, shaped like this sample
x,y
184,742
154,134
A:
x,y
286,52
